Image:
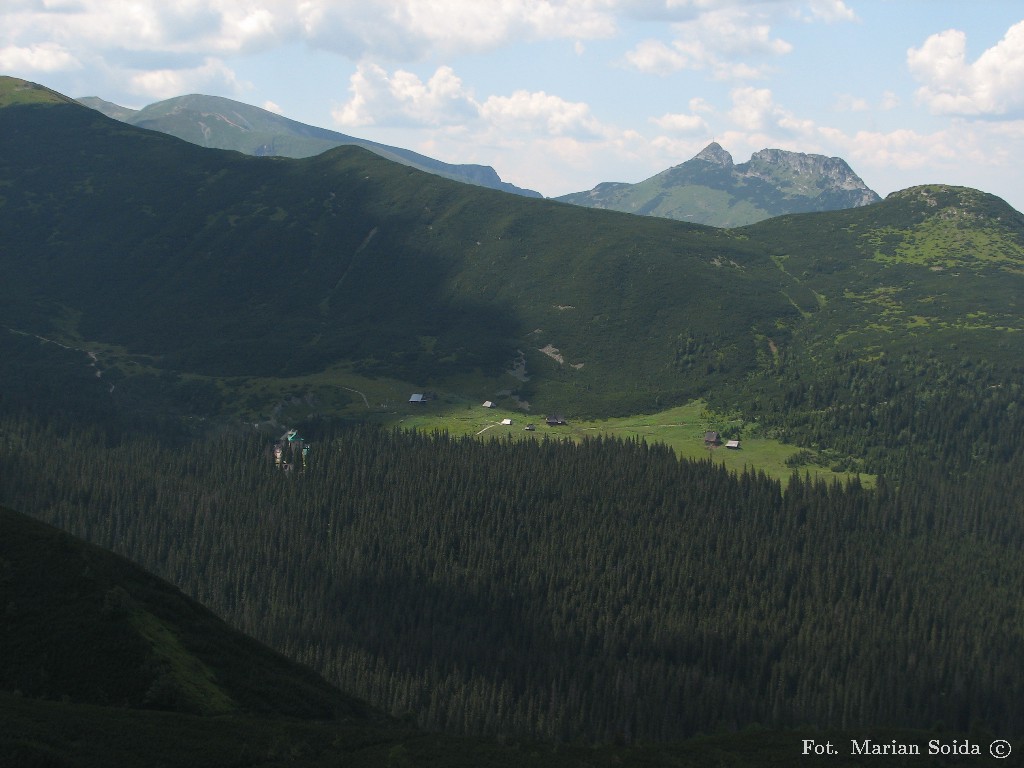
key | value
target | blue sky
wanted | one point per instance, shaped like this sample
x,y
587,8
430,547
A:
x,y
559,95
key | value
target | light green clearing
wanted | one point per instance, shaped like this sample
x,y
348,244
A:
x,y
945,243
338,391
681,428
193,680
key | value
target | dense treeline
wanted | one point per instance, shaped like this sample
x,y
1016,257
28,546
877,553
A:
x,y
891,415
593,591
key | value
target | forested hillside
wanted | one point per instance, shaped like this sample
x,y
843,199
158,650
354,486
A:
x,y
172,259
594,591
201,280
82,624
159,300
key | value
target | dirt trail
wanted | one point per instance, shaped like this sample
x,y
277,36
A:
x,y
365,401
92,355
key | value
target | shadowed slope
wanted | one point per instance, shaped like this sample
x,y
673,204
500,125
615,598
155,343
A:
x,y
85,624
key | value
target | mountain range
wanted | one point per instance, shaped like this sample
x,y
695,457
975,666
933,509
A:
x,y
162,303
708,189
219,123
167,260
711,189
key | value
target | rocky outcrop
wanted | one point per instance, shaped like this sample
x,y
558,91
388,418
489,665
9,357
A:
x,y
713,153
710,189
810,172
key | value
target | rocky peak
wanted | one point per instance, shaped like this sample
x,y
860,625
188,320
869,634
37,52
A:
x,y
833,171
713,153
710,189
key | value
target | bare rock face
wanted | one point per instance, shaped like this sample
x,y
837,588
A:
x,y
713,153
811,172
710,189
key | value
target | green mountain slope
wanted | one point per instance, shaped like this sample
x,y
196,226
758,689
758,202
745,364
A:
x,y
19,92
710,189
934,267
499,587
85,625
192,271
104,664
143,271
221,264
213,121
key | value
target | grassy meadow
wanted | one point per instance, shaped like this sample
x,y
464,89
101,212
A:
x,y
681,428
341,392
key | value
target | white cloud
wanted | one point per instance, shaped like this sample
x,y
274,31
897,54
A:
x,y
847,102
718,40
248,28
656,58
831,11
755,111
680,123
171,39
752,108
403,98
44,57
167,83
991,85
565,163
102,29
697,104
734,31
540,112
969,153
889,101
404,30
903,149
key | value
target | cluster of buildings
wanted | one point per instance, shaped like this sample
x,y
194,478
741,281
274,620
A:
x,y
712,439
291,452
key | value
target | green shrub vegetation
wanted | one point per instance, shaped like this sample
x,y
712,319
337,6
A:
x,y
619,586
191,270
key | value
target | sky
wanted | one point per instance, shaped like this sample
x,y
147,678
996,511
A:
x,y
560,95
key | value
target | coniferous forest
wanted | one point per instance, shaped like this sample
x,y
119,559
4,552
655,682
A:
x,y
159,299
574,592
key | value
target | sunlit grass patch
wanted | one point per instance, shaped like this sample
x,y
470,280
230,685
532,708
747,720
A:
x,y
681,428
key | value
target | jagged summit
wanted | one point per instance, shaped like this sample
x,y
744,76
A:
x,y
816,172
714,153
220,123
710,189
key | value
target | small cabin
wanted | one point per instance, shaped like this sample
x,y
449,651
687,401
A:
x,y
733,445
555,420
488,404
419,398
711,438
290,451
529,428
506,422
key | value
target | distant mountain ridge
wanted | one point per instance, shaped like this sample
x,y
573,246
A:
x,y
220,123
188,270
711,189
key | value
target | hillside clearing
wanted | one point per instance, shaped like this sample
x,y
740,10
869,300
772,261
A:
x,y
681,428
